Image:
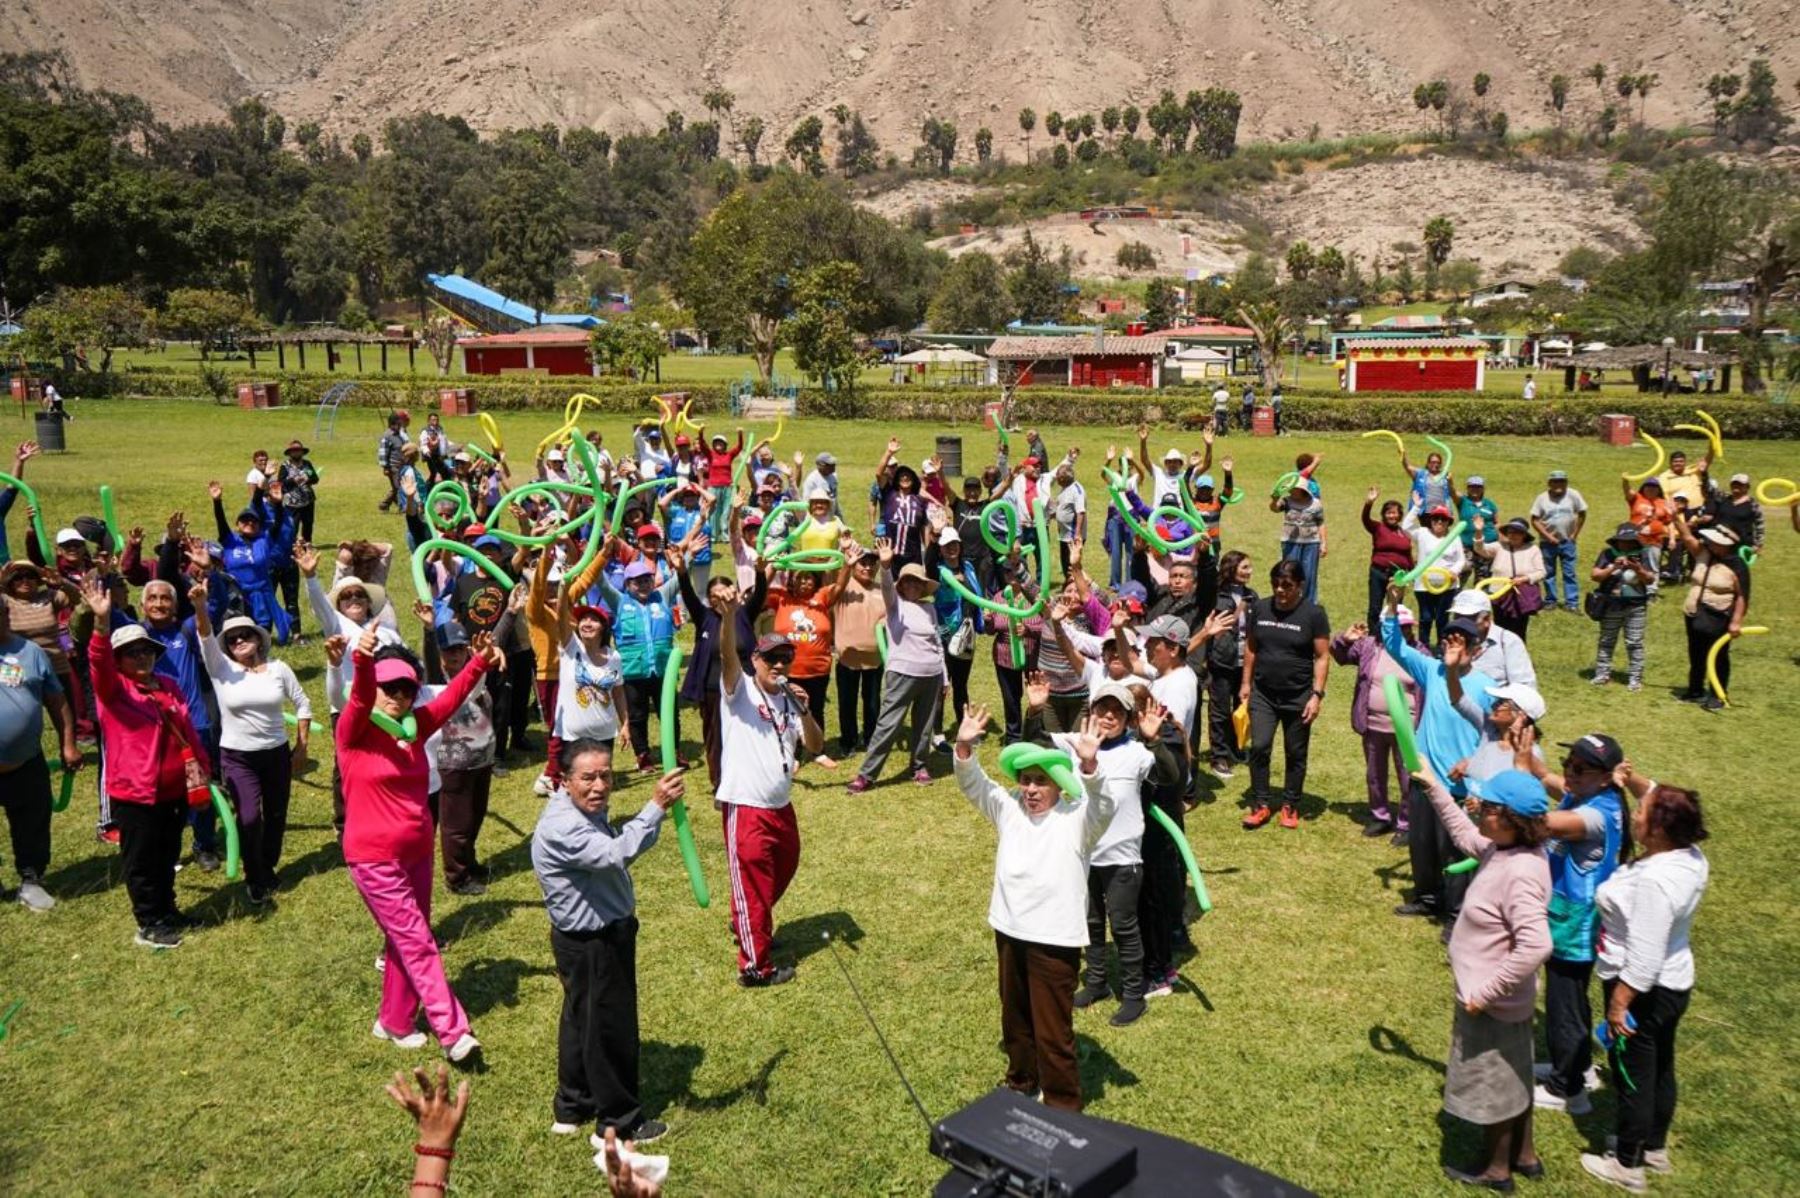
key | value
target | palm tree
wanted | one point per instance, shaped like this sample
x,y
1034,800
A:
x,y
719,102
1272,329
1597,73
1027,122
1642,85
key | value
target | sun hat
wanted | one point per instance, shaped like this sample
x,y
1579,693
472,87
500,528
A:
x,y
1115,690
928,466
915,570
244,624
1515,790
1625,532
818,495
376,592
68,536
295,444
1174,455
555,455
1519,525
1525,698
132,634
1723,537
1741,477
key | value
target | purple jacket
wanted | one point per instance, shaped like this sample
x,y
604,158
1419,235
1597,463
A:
x,y
1368,709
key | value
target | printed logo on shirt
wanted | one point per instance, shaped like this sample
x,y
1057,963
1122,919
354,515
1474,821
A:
x,y
11,672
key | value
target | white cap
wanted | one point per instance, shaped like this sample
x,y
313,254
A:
x,y
818,495
1113,689
555,455
1523,697
1471,603
928,466
1175,454
65,536
949,537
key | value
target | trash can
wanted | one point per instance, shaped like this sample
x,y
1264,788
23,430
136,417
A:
x,y
50,432
949,452
455,401
1262,421
990,414
1618,429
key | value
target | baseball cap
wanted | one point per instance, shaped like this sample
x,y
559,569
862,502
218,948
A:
x,y
68,536
825,459
1467,629
452,635
654,433
1515,790
1168,628
132,634
1133,590
949,537
753,519
1475,480
1525,698
1625,532
648,530
928,466
555,455
1471,603
1439,511
639,569
1558,476
1115,690
589,611
1741,477
471,531
488,541
682,441
1204,482
772,642
1596,749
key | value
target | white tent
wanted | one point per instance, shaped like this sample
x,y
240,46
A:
x,y
940,355
1202,362
947,363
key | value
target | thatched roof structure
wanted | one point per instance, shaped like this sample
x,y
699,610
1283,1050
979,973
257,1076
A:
x,y
327,335
1630,357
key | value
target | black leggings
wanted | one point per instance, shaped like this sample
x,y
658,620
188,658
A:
x,y
1012,701
644,694
1704,628
858,694
818,693
958,669
1296,736
1647,1102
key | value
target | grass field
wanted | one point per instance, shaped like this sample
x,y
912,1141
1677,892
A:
x,y
1308,1038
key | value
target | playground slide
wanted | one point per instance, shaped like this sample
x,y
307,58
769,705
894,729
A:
x,y
492,312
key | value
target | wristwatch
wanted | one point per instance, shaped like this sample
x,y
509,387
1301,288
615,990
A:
x,y
1319,694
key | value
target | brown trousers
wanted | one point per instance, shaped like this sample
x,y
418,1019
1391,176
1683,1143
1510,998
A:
x,y
1037,1019
462,809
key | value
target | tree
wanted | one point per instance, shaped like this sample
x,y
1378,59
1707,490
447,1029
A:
x,y
1720,89
1053,123
1162,303
1757,113
720,102
205,315
1482,82
1272,328
1109,120
1135,255
1059,157
362,147
984,144
822,329
1215,120
1027,122
1642,83
939,138
1582,262
1129,118
630,342
1038,283
971,296
1498,124
528,215
1329,268
1606,123
1438,92
1254,281
1405,282
1460,277
439,336
1439,234
76,323
1422,97
1088,150
1071,131
1597,73
1300,260
750,137
804,146
1559,96
858,151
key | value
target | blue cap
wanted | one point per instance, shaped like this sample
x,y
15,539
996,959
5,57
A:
x,y
1203,482
1134,590
452,635
1515,790
489,541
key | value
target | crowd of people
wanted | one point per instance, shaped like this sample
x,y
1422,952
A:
x,y
563,598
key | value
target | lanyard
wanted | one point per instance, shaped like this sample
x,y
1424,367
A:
x,y
781,726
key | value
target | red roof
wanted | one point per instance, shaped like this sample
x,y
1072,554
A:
x,y
1206,328
535,337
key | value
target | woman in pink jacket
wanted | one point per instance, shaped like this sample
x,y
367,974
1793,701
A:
x,y
153,759
388,842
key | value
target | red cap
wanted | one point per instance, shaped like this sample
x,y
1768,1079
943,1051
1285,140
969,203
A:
x,y
587,611
648,530
682,441
475,530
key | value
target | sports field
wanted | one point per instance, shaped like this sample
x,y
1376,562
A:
x,y
1308,1039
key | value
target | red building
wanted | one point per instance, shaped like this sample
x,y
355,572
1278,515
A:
x,y
553,351
1414,364
1077,361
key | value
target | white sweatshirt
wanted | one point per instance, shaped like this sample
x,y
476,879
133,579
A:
x,y
1646,911
1041,863
336,623
1122,770
251,701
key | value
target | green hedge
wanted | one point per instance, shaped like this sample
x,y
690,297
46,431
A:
x,y
1738,416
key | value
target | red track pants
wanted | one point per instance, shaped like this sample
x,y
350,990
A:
x,y
762,851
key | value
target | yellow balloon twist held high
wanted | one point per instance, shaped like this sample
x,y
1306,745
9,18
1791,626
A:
x,y
1661,458
1786,498
1388,432
1712,659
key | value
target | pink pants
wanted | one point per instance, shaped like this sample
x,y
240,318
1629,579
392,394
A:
x,y
398,894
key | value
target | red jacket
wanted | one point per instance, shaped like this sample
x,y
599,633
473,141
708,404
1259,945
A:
x,y
142,728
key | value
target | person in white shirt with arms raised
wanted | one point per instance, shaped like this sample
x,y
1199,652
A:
x,y
1038,909
761,717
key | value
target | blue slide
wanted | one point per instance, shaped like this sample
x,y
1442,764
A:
x,y
492,312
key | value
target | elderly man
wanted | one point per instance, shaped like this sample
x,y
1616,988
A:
x,y
28,688
582,863
824,477
1501,655
1558,514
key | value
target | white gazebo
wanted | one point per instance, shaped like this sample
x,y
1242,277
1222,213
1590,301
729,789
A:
x,y
958,364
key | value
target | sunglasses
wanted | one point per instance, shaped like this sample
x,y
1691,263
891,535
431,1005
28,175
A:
x,y
400,690
353,597
239,638
779,661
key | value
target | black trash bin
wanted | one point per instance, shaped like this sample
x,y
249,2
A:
x,y
949,451
50,432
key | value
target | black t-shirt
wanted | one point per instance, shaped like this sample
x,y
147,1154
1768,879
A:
x,y
1284,646
479,602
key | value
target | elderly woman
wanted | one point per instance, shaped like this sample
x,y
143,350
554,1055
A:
x,y
903,508
388,835
1303,532
1390,550
1646,970
1516,556
914,683
1496,946
1286,658
1432,595
1369,719
959,622
1038,911
155,762
254,759
1625,578
1718,595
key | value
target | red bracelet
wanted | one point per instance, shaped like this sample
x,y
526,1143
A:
x,y
448,1154
439,1186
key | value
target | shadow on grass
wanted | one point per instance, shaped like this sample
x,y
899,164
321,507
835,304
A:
x,y
1388,1042
1395,876
668,1072
1099,1069
472,919
489,982
90,875
320,859
803,937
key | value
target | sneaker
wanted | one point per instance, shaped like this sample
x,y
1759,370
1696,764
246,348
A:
x,y
647,764
1289,817
159,937
1160,990
1608,1169
1377,827
469,888
1130,1011
939,745
1600,680
1401,838
1087,996
559,1128
1636,684
543,788
207,860
1590,1080
33,896
1500,1185
1221,771
1257,817
1712,703
1575,1104
1690,696
411,1040
1656,1160
779,976
257,895
647,1132
500,771
1415,907
465,1047
858,784
825,763
107,836
922,777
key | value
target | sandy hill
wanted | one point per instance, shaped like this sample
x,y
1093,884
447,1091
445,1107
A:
x,y
1340,65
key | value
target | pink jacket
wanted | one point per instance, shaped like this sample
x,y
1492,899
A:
x,y
143,754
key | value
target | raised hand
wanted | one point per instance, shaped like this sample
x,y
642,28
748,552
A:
x,y
1355,632
176,529
1207,434
198,592
671,788
214,491
1037,690
439,1116
306,557
98,596
336,645
426,613
482,645
1086,744
885,548
135,537
1373,495
974,724
1226,464
893,445
1151,720
26,451
368,642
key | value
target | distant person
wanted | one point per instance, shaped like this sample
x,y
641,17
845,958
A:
x,y
53,402
1558,513
1530,391
1249,406
1221,398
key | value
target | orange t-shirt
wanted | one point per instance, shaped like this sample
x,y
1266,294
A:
x,y
1650,515
808,625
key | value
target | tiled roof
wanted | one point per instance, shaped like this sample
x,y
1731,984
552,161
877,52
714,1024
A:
x,y
1404,343
1029,348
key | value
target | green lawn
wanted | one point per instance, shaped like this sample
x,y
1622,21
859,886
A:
x,y
1309,1038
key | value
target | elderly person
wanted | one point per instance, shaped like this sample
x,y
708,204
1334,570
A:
x,y
1287,656
857,609
1718,595
1736,510
902,508
582,863
1652,514
1037,909
1435,589
1558,514
1625,577
1390,549
1501,655
644,631
1515,556
960,622
255,545
388,834
915,679
1370,720
1303,532
1480,517
155,763
28,689
254,759
1496,946
1070,512
1646,970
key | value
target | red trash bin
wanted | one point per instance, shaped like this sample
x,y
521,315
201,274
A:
x,y
1262,422
1618,429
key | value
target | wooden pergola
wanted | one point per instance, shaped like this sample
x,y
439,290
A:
x,y
330,338
1641,361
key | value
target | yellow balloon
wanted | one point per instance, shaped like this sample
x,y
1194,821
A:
x,y
1494,586
1718,438
1438,581
1385,432
492,430
1661,457
1712,659
1765,493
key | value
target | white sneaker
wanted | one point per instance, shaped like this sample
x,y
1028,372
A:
x,y
1162,991
1589,1080
543,787
564,1129
1607,1168
466,1046
1656,1160
1544,1100
415,1040
33,896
